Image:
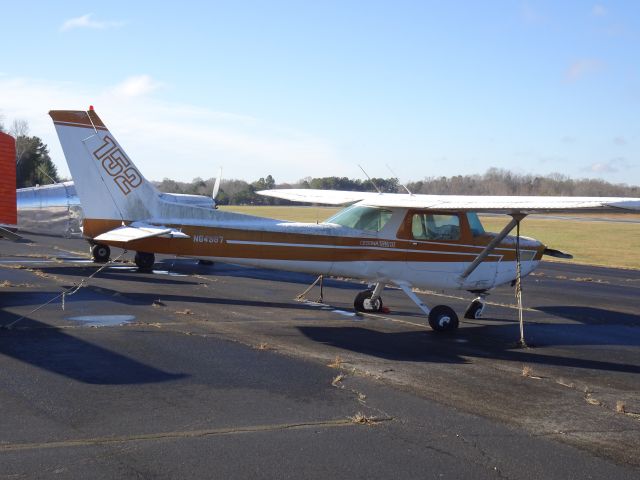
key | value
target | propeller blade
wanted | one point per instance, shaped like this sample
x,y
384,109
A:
x,y
216,186
556,253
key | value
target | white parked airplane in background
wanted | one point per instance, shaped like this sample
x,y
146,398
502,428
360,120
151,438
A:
x,y
55,209
429,241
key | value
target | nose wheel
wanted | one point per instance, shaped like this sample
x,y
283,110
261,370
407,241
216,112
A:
x,y
475,309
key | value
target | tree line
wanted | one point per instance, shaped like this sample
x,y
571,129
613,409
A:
x,y
493,182
35,167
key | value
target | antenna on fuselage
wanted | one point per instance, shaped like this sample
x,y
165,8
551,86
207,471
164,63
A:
x,y
396,177
370,179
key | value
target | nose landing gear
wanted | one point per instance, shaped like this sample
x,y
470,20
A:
x,y
475,308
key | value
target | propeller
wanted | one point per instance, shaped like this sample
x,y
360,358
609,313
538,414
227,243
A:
x,y
216,188
556,253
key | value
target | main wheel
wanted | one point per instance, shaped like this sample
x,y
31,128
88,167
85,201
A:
x,y
474,310
363,302
100,253
443,319
145,261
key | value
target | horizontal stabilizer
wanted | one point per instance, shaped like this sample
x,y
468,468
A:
x,y
138,231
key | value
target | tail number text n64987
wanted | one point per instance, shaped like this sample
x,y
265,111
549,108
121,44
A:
x,y
208,239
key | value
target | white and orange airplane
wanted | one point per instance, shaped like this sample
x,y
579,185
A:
x,y
426,241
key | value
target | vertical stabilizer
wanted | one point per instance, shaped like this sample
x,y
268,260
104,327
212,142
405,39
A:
x,y
108,183
8,215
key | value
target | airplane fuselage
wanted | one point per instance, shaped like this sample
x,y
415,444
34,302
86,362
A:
x,y
390,255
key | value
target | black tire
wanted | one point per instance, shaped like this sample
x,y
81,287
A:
x,y
363,302
100,253
474,310
145,261
443,319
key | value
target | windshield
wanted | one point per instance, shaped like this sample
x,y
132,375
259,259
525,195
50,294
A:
x,y
362,218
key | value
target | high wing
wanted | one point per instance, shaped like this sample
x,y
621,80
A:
x,y
138,231
475,203
325,197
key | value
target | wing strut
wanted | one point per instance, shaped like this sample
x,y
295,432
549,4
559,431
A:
x,y
515,221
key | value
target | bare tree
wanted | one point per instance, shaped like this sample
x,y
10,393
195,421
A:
x,y
20,131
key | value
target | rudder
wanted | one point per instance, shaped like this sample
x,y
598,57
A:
x,y
109,185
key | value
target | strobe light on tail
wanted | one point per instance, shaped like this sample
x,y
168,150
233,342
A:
x,y
426,241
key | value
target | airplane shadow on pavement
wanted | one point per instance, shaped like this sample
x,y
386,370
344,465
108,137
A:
x,y
429,346
591,315
54,350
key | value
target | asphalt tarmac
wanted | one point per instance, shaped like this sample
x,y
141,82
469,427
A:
x,y
218,371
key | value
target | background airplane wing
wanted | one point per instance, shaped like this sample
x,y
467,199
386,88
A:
x,y
489,204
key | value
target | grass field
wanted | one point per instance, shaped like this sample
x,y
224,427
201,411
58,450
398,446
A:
x,y
590,242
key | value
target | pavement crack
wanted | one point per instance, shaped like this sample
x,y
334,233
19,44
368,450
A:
x,y
81,442
490,462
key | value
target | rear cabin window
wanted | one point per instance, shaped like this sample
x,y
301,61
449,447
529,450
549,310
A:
x,y
371,219
428,226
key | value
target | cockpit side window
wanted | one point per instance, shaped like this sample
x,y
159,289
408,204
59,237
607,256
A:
x,y
428,226
371,219
475,224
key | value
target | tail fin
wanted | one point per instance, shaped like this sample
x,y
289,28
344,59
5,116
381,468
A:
x,y
109,185
8,213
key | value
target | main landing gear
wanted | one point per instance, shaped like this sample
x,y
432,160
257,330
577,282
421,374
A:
x,y
100,253
145,261
442,318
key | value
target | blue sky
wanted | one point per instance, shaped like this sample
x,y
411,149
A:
x,y
296,89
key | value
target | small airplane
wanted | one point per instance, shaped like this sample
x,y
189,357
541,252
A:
x,y
424,241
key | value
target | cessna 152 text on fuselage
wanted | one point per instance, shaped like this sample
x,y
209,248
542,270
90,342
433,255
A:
x,y
430,241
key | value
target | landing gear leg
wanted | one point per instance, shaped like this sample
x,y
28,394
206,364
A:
x,y
369,300
145,261
100,253
476,307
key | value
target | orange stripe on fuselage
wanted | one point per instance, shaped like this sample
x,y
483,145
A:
x,y
269,245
